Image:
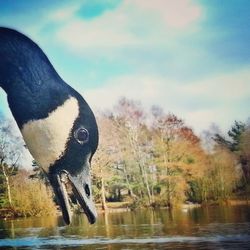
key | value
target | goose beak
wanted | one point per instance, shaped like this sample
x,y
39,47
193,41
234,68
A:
x,y
81,187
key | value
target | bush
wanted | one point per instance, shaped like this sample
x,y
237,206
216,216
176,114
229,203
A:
x,y
31,197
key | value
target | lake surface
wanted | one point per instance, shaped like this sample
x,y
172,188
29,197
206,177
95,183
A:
x,y
197,228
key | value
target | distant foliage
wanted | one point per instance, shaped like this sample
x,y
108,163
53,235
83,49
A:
x,y
11,148
144,159
238,143
155,159
31,197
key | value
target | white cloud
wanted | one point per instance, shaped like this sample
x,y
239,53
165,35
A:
x,y
218,99
80,35
148,89
175,14
226,98
63,14
228,87
133,23
201,119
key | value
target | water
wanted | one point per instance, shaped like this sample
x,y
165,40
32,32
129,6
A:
x,y
198,228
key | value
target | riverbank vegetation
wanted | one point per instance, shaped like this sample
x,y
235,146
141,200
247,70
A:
x,y
144,159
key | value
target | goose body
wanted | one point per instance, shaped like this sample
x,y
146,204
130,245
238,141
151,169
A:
x,y
57,124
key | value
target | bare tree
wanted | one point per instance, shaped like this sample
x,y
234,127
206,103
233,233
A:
x,y
11,146
130,116
106,155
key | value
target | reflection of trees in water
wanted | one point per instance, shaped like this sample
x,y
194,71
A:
x,y
40,227
140,224
4,233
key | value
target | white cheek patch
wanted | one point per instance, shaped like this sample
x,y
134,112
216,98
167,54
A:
x,y
46,138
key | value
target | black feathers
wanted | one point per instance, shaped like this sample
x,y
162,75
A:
x,y
34,90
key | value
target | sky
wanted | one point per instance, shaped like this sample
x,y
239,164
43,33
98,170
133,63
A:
x,y
192,58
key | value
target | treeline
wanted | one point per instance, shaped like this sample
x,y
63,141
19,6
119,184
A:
x,y
155,159
144,158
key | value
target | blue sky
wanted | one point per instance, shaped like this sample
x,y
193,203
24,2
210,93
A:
x,y
190,57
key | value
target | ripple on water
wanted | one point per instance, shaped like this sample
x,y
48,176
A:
x,y
76,241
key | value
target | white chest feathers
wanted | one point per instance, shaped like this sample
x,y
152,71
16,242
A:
x,y
46,138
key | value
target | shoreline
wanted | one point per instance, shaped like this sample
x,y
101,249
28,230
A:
x,y
117,207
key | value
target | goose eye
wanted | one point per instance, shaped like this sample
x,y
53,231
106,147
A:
x,y
81,135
